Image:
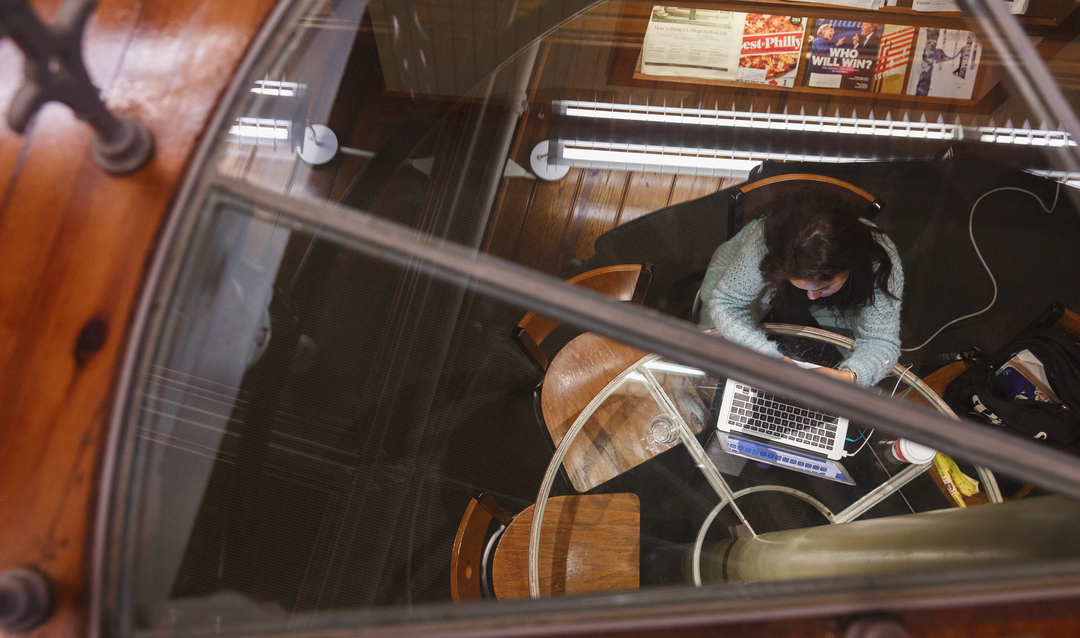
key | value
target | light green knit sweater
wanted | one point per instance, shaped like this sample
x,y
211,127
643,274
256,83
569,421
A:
x,y
733,283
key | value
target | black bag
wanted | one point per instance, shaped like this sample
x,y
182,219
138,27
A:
x,y
973,393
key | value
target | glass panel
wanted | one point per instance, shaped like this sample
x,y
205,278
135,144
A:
x,y
312,419
315,420
310,443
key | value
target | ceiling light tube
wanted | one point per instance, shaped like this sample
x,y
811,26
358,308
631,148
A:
x,y
813,123
667,159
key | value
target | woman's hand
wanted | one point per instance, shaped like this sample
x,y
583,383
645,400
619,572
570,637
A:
x,y
840,375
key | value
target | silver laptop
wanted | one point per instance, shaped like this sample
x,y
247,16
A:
x,y
750,411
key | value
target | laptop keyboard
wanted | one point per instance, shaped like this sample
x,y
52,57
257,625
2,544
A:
x,y
762,413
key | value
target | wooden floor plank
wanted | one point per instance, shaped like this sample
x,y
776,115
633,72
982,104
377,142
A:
x,y
646,192
594,213
512,203
348,169
508,220
688,187
545,223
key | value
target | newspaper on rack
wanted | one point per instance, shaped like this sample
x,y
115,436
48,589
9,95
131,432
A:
x,y
893,55
722,45
946,63
696,43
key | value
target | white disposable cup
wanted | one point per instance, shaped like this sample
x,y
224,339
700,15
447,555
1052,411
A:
x,y
904,451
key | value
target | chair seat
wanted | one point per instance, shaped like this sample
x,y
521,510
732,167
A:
x,y
588,543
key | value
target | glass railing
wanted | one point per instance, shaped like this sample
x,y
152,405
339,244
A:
x,y
363,394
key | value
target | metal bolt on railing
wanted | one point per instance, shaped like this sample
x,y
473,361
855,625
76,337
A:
x,y
54,71
25,599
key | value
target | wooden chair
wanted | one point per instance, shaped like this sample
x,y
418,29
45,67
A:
x,y
625,282
747,199
468,563
1056,316
588,543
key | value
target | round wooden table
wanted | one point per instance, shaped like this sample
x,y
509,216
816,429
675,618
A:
x,y
610,407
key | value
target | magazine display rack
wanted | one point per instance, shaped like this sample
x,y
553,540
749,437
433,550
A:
x,y
892,53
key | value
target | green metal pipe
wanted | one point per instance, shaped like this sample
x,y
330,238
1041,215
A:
x,y
1034,529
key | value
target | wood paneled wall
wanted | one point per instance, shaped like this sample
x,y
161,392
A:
x,y
74,244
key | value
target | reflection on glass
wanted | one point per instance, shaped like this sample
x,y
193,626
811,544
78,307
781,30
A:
x,y
314,422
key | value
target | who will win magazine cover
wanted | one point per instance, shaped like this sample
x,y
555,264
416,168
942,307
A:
x,y
843,54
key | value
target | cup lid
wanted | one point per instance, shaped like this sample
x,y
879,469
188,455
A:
x,y
916,453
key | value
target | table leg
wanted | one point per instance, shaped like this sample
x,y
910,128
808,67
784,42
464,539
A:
x,y
880,493
686,435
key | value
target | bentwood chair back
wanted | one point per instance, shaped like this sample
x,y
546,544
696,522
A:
x,y
468,563
625,282
747,199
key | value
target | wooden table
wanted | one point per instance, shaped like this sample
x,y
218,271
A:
x,y
588,543
612,416
618,435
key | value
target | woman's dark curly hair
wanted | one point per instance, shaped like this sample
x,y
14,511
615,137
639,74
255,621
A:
x,y
817,237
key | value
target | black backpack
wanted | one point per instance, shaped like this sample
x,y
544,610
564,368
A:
x,y
972,393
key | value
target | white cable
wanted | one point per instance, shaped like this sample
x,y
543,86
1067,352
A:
x,y
971,234
898,380
863,443
895,387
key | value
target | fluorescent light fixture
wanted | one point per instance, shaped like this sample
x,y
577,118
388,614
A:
x,y
834,124
664,366
258,130
577,153
1069,179
668,159
673,159
1025,137
274,87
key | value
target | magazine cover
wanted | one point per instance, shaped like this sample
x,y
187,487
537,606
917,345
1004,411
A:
x,y
842,54
893,56
695,43
946,63
771,48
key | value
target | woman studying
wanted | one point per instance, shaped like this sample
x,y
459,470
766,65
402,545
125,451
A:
x,y
810,259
